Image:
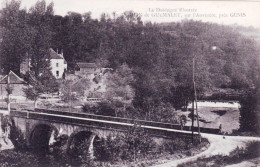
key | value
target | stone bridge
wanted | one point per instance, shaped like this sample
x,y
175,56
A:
x,y
40,128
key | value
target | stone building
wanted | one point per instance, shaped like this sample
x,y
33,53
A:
x,y
17,85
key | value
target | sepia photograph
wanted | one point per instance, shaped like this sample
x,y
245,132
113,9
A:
x,y
120,83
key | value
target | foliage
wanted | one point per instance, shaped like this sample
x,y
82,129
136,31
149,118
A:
x,y
161,112
105,108
66,91
165,113
250,107
179,144
49,82
118,87
152,62
80,86
109,149
250,112
74,89
17,158
101,108
33,93
135,143
17,137
15,36
25,34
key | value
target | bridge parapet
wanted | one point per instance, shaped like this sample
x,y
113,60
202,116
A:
x,y
45,123
76,119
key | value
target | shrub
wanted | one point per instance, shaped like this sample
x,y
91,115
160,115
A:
x,y
89,108
182,144
135,143
109,149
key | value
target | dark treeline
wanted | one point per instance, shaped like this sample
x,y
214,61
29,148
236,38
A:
x,y
160,55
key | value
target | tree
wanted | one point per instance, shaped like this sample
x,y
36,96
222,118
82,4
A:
x,y
15,36
39,21
67,94
34,90
49,82
250,108
118,87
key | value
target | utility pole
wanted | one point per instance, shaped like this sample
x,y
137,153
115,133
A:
x,y
8,94
70,99
194,99
192,112
192,120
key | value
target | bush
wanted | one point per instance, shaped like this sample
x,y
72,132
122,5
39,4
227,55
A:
x,y
101,108
89,108
136,143
179,144
109,149
17,158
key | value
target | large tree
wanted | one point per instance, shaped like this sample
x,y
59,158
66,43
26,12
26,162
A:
x,y
15,36
118,88
39,20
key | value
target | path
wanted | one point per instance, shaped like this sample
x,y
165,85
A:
x,y
218,146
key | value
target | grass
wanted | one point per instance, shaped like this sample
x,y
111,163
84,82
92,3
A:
x,y
251,151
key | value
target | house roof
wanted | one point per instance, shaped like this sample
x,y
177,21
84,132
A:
x,y
14,79
55,55
86,65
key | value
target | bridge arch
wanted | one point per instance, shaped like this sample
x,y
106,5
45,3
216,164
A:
x,y
40,136
83,142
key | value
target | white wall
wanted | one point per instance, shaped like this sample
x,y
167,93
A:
x,y
230,104
61,67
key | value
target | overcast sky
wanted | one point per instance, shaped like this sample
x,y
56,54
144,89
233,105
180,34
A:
x,y
230,12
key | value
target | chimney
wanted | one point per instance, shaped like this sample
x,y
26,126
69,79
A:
x,y
62,52
57,50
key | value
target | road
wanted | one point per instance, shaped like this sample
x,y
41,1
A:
x,y
218,146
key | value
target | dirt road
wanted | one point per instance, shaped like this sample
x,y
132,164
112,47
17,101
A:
x,y
218,146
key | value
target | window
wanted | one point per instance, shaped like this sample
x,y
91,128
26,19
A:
x,y
57,73
57,64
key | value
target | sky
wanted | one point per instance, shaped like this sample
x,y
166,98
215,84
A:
x,y
245,13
